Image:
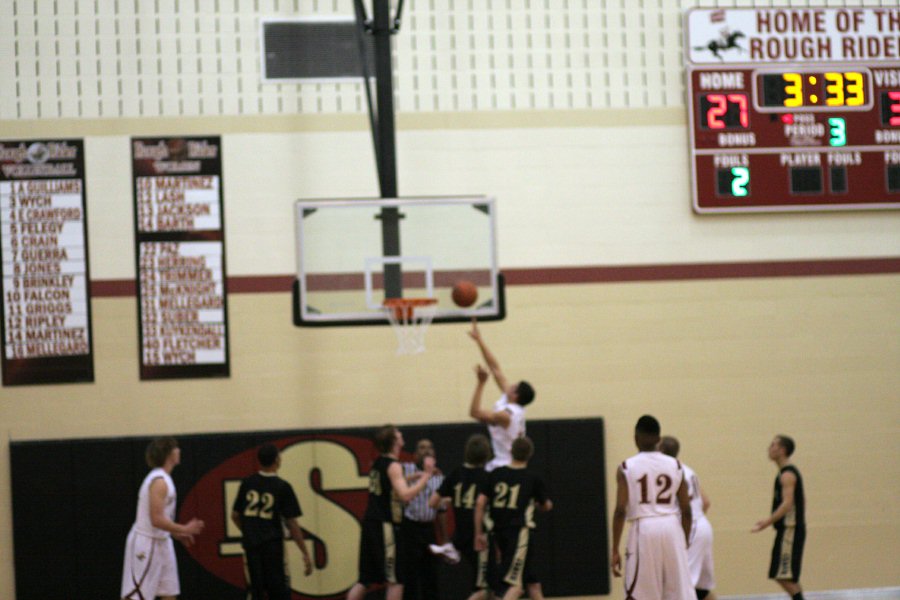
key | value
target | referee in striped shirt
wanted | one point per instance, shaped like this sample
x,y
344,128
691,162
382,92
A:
x,y
418,530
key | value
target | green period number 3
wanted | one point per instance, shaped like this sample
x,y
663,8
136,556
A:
x,y
838,131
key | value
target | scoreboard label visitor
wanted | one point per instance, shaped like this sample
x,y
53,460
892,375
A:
x,y
794,108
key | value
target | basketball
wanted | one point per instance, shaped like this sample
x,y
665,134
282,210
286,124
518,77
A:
x,y
464,293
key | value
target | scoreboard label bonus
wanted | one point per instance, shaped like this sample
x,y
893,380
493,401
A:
x,y
180,239
794,109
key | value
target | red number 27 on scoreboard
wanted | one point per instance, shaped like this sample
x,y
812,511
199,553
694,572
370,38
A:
x,y
721,104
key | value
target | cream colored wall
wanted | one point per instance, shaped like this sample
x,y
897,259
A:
x,y
589,191
723,364
589,168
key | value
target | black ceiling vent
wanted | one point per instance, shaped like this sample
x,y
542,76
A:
x,y
313,49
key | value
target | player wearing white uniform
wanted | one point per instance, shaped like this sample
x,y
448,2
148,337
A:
x,y
502,438
150,567
650,493
700,551
506,422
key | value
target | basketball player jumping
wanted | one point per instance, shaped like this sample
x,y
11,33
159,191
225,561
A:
x,y
506,422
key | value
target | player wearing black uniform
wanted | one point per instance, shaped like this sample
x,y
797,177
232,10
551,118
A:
x,y
264,504
788,519
388,491
513,492
461,490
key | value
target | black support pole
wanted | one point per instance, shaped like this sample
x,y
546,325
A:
x,y
387,157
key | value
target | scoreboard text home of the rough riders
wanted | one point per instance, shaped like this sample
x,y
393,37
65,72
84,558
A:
x,y
794,108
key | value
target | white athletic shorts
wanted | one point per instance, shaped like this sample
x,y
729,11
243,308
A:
x,y
700,555
150,568
656,563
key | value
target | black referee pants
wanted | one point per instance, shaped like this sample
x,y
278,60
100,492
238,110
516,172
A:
x,y
418,564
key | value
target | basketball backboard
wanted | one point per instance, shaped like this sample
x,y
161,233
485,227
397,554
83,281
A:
x,y
353,254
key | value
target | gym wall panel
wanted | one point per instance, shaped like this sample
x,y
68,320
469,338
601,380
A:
x,y
724,364
99,478
590,195
570,112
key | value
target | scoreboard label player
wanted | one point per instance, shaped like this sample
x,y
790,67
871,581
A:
x,y
794,109
180,253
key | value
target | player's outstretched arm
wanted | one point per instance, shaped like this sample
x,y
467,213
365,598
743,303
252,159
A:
x,y
405,491
489,358
500,417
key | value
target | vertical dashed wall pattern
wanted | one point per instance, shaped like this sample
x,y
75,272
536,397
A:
x,y
185,58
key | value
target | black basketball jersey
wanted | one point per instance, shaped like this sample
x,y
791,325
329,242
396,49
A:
x,y
383,504
796,517
462,486
263,501
511,495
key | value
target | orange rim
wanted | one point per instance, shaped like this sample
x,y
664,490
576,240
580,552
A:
x,y
405,308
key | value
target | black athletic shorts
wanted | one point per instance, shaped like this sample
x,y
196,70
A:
x,y
787,554
266,571
378,553
516,564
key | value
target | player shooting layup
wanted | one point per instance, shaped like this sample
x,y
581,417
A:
x,y
506,421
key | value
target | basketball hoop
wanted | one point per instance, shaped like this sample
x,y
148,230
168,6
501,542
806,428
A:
x,y
410,318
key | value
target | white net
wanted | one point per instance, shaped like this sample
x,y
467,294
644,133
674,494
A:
x,y
410,318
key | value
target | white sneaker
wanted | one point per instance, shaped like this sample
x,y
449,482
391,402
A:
x,y
447,550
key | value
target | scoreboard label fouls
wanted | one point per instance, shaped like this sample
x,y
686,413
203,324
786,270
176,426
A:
x,y
794,109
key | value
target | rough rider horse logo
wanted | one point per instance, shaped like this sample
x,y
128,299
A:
x,y
727,41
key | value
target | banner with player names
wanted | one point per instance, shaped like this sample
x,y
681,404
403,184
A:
x,y
180,253
46,318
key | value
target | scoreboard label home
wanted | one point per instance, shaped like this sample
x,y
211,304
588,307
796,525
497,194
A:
x,y
794,109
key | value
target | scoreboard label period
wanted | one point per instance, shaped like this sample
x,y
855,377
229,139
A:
x,y
774,127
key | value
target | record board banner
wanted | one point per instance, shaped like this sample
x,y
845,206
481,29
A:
x,y
329,471
46,324
180,252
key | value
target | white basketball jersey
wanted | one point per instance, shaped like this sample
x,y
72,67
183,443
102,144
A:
x,y
653,481
142,522
502,438
693,485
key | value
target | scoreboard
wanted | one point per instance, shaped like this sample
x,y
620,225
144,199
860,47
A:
x,y
801,112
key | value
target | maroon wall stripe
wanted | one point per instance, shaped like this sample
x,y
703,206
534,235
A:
x,y
679,272
113,288
249,284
